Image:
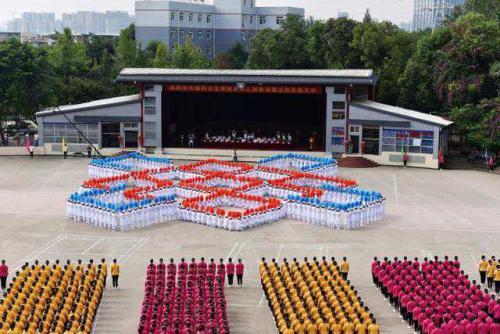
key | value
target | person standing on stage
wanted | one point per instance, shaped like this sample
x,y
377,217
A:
x,y
240,268
115,273
4,273
230,272
344,268
483,268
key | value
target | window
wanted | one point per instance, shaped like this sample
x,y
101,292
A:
x,y
338,115
251,4
54,133
181,17
172,16
200,34
190,17
279,19
150,130
243,36
337,105
209,18
413,141
262,20
172,33
191,35
130,125
200,17
339,90
209,35
150,105
251,19
181,34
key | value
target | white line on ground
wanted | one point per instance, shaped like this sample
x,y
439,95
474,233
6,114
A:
x,y
474,260
396,193
239,250
92,246
133,250
232,250
33,255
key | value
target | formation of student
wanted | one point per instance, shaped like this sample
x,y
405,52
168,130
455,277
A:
x,y
313,297
489,273
436,297
187,297
53,298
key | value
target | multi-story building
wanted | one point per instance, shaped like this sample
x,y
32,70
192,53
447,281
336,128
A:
x,y
213,27
116,21
431,13
33,23
341,15
15,25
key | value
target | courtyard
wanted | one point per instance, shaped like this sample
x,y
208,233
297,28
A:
x,y
428,213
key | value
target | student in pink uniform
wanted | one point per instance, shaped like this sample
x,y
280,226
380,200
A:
x,y
4,273
230,271
240,269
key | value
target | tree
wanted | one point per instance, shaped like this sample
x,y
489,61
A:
x,y
188,55
127,49
293,40
339,51
161,58
316,47
222,61
488,8
368,17
237,56
266,51
462,68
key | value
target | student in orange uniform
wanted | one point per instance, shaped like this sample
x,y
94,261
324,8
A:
x,y
115,273
344,268
483,268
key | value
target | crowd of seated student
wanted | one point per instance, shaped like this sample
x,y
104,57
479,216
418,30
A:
x,y
311,297
52,298
436,297
246,137
184,298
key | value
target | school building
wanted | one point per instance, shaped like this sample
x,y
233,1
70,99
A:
x,y
201,113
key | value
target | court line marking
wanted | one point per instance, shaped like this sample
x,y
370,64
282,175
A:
x,y
474,260
92,246
133,250
396,190
239,250
52,243
232,250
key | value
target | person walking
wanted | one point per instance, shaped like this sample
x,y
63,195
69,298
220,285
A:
x,y
115,273
483,268
344,268
4,273
230,271
240,268
64,148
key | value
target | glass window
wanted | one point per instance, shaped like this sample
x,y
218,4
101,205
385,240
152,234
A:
x,y
172,33
209,35
262,20
336,105
279,19
200,34
172,16
394,140
190,17
181,34
209,18
251,19
200,17
181,17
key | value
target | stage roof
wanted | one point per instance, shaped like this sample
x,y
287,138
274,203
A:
x,y
186,76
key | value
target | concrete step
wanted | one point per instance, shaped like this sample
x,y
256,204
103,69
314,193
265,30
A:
x,y
357,162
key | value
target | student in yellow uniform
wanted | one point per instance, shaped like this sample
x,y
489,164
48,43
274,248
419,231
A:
x,y
344,268
497,279
490,273
115,273
373,328
483,268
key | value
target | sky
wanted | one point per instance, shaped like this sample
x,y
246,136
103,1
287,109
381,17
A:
x,y
394,10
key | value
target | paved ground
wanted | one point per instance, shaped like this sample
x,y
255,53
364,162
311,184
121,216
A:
x,y
428,212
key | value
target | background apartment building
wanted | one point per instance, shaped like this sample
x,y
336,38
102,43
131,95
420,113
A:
x,y
429,14
213,27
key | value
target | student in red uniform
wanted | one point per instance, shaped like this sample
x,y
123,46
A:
x,y
240,268
4,273
230,271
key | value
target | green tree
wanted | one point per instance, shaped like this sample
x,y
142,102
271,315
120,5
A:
x,y
127,49
266,51
188,55
237,56
293,40
222,61
489,8
161,58
337,42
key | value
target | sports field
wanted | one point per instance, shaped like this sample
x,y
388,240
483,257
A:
x,y
428,213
